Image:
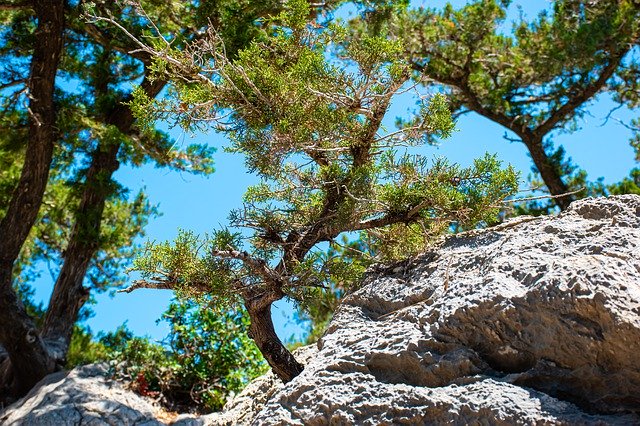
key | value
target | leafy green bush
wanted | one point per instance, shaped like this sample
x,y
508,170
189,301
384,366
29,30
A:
x,y
206,358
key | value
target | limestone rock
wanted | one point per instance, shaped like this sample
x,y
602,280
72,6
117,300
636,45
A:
x,y
536,321
82,396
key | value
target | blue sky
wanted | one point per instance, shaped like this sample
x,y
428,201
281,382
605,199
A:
x,y
203,203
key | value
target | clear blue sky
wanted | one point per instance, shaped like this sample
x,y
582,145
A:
x,y
201,204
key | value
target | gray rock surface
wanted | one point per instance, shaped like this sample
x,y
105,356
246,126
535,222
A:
x,y
533,322
536,321
84,396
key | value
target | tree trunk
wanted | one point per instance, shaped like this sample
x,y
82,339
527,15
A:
x,y
261,330
69,295
28,360
548,171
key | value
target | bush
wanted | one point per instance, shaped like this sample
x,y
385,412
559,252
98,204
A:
x,y
206,358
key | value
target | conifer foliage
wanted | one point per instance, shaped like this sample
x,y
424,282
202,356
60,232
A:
x,y
67,128
536,79
305,105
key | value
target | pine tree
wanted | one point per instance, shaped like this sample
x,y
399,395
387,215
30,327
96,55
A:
x,y
536,80
305,106
67,127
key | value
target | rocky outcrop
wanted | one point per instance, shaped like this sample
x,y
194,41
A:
x,y
84,396
536,321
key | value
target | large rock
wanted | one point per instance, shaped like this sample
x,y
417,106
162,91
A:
x,y
536,321
84,396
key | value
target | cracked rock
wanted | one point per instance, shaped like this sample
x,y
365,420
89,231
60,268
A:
x,y
83,396
536,321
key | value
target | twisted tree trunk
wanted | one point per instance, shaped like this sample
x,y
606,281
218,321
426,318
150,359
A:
x,y
28,360
548,171
69,295
261,330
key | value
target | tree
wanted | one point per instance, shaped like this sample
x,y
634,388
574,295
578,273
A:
x,y
544,71
65,147
534,82
310,126
18,333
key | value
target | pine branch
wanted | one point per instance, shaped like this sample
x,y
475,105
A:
x,y
544,197
156,285
257,266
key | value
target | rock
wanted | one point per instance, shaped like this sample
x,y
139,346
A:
x,y
82,396
536,321
246,405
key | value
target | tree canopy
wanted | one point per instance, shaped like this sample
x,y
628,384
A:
x,y
65,108
310,126
537,80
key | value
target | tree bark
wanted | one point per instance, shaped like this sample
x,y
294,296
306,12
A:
x,y
548,172
69,295
29,360
261,330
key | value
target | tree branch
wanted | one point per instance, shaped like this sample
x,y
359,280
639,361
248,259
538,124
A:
x,y
580,97
156,285
103,39
257,266
543,197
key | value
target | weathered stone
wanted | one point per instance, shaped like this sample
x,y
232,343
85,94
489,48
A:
x,y
83,396
533,322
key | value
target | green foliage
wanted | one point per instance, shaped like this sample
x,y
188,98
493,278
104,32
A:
x,y
635,140
524,75
536,80
206,358
84,349
102,69
189,264
577,180
343,265
86,213
628,185
305,107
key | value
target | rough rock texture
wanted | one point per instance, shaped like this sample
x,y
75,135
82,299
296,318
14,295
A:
x,y
533,322
536,321
83,396
246,405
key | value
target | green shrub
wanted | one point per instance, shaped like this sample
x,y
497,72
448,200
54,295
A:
x,y
206,358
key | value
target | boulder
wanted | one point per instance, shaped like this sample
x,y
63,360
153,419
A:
x,y
536,321
83,396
